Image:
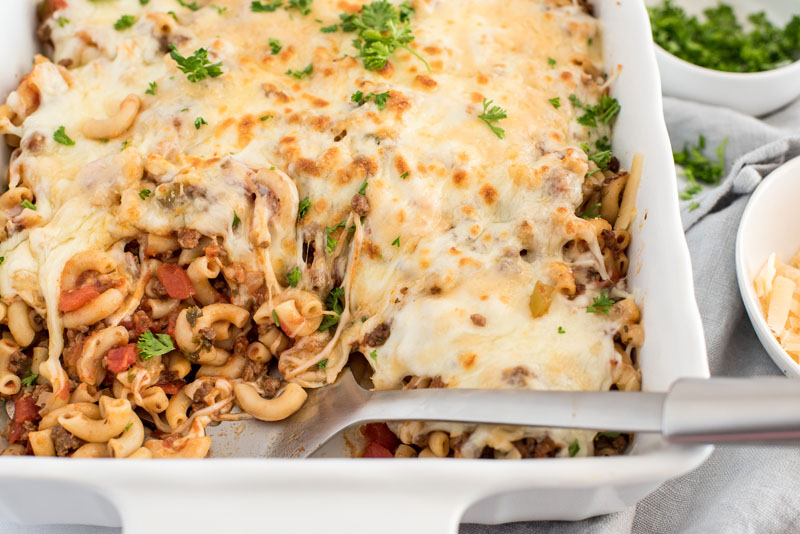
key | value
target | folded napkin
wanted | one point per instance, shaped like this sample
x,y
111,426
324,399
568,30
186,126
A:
x,y
738,490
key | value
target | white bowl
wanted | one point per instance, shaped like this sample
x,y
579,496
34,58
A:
x,y
771,223
754,93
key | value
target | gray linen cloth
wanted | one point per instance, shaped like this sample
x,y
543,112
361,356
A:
x,y
739,489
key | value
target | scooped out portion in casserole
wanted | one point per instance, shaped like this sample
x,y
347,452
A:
x,y
211,208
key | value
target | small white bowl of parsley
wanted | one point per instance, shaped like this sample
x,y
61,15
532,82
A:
x,y
738,54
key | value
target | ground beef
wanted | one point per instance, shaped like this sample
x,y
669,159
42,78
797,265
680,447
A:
x,y
198,399
613,164
360,204
478,319
606,445
532,448
240,345
18,362
437,382
141,323
64,442
271,386
188,238
378,336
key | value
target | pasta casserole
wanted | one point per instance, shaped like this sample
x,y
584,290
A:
x,y
213,207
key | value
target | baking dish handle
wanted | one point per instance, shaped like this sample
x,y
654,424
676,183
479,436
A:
x,y
179,507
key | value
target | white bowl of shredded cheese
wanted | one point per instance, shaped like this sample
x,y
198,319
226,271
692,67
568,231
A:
x,y
768,264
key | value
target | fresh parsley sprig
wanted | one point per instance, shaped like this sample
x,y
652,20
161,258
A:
x,y
335,303
265,7
601,304
492,114
197,67
150,345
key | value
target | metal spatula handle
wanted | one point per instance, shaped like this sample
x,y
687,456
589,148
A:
x,y
694,410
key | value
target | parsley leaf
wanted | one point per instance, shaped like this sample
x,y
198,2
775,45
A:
x,y
605,111
275,46
381,98
28,205
174,16
322,364
220,10
153,88
124,22
30,379
335,304
198,122
601,304
492,115
374,355
561,330
303,5
144,2
300,74
694,205
275,318
144,193
266,117
611,435
574,448
193,6
551,61
62,21
601,157
236,220
269,7
2,259
293,276
303,208
61,136
592,212
555,102
150,345
396,242
363,189
128,427
330,242
197,66
329,29
404,175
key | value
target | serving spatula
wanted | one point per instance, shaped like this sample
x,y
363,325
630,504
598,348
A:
x,y
712,410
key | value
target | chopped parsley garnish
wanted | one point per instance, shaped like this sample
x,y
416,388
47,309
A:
x,y
144,193
300,74
695,166
124,22
574,448
335,304
323,364
153,88
396,242
611,435
2,259
561,330
404,175
275,318
236,220
198,122
720,42
551,61
592,212
220,10
265,7
293,276
329,29
601,158
331,242
266,117
193,6
62,21
128,427
197,66
303,5
605,111
144,2
601,304
374,355
492,115
555,102
382,28
28,205
30,379
694,205
275,46
379,98
150,345
61,136
303,208
124,145
363,189
174,15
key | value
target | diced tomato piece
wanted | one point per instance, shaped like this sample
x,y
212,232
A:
x,y
375,450
15,432
172,387
25,409
119,359
175,281
72,299
379,433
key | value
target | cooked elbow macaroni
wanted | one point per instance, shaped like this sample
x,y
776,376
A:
x,y
182,246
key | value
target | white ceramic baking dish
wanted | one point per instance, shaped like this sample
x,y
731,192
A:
x,y
399,496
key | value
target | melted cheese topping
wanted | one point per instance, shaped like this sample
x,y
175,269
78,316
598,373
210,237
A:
x,y
460,222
